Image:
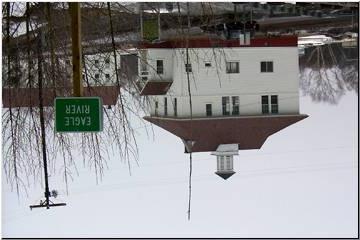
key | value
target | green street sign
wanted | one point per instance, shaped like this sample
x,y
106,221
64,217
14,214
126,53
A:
x,y
78,114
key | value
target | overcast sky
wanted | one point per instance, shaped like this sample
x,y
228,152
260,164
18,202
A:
x,y
302,183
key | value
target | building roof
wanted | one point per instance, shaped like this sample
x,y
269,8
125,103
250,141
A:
x,y
283,41
155,87
225,175
29,97
250,132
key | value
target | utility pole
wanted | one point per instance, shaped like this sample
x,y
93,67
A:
x,y
159,24
77,88
75,13
251,12
141,20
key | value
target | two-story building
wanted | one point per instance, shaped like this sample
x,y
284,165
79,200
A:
x,y
242,91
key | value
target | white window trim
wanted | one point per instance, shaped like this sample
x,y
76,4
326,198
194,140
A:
x,y
163,60
269,104
230,61
267,60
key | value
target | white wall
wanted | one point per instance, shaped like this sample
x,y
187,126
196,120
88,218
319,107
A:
x,y
209,84
248,104
96,64
160,54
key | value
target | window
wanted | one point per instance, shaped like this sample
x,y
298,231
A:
x,y
188,67
107,76
232,67
175,107
107,60
226,105
266,66
208,110
97,76
224,163
143,62
156,107
96,63
273,108
235,105
229,163
165,106
207,64
221,163
265,104
159,66
274,104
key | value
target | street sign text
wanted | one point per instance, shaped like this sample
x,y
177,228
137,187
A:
x,y
78,114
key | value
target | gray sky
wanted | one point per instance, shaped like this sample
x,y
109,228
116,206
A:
x,y
302,183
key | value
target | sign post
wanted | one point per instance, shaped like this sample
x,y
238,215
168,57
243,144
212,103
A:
x,y
78,114
75,12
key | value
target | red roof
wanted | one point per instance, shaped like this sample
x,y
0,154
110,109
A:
x,y
155,88
284,41
29,97
250,132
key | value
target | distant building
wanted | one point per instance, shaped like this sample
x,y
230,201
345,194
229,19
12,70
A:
x,y
99,79
242,91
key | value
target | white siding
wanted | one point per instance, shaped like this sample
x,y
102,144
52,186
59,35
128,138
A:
x,y
209,84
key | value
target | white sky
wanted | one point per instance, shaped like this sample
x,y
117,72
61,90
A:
x,y
302,183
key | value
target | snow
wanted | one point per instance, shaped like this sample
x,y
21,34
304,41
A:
x,y
302,183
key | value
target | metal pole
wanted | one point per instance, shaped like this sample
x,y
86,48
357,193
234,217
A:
x,y
42,122
76,48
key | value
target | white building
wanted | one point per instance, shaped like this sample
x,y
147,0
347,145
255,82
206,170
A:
x,y
242,91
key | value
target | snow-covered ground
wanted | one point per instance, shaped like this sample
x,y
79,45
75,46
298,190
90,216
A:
x,y
302,183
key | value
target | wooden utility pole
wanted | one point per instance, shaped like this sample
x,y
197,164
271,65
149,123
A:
x,y
141,21
76,48
159,23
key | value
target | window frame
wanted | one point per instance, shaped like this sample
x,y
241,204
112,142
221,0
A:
x,y
235,110
144,68
156,107
228,163
97,63
267,66
222,163
175,107
274,106
188,68
265,108
165,106
230,69
208,113
158,68
225,105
